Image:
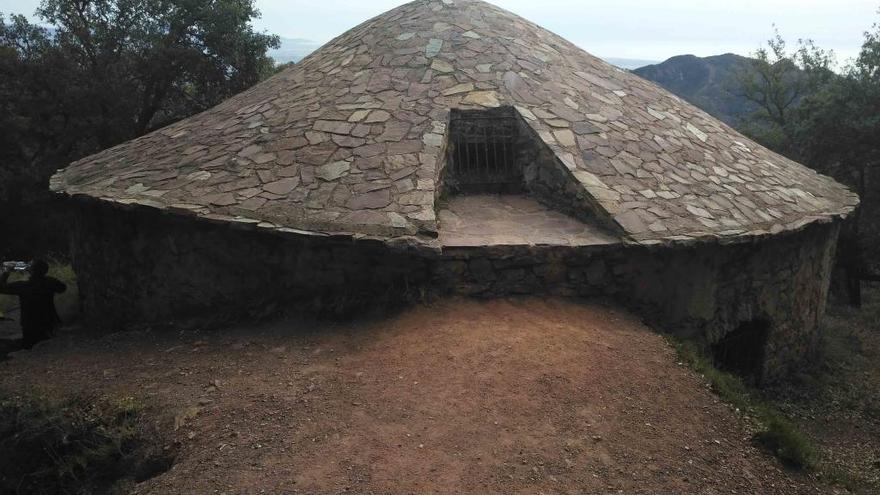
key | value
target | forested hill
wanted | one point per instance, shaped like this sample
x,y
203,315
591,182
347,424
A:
x,y
708,82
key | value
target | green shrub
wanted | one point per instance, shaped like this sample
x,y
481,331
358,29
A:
x,y
78,446
782,439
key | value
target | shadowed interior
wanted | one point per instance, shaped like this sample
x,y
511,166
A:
x,y
482,152
742,350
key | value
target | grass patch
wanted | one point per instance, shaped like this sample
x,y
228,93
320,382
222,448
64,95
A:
x,y
849,353
779,436
728,386
81,445
842,477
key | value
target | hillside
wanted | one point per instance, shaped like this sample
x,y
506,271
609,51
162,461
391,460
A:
x,y
707,82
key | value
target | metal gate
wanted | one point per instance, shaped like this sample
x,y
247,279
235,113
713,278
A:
x,y
482,152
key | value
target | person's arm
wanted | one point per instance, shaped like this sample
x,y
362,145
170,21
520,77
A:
x,y
58,286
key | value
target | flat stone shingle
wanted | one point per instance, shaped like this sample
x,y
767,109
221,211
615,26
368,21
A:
x,y
327,131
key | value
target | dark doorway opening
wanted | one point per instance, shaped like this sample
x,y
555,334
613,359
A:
x,y
742,351
481,156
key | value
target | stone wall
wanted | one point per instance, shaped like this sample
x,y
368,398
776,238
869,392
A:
x,y
143,267
550,181
703,291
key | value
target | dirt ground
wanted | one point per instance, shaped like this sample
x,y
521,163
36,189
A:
x,y
516,396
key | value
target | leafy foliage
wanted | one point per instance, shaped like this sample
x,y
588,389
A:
x,y
830,121
777,83
105,71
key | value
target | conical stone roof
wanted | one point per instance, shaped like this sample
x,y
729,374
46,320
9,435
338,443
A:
x,y
351,139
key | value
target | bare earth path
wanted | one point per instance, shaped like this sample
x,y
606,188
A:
x,y
509,396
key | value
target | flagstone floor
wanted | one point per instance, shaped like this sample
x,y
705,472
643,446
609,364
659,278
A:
x,y
510,220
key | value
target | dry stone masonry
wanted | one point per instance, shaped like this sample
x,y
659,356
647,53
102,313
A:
x,y
346,154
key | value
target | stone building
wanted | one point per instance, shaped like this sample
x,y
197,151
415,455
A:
x,y
453,147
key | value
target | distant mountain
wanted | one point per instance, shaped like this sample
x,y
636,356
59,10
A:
x,y
709,83
293,50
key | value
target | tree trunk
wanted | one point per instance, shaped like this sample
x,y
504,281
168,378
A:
x,y
852,250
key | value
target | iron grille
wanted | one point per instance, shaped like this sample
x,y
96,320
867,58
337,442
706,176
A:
x,y
482,155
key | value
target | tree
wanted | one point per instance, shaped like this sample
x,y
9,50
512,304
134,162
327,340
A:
x,y
777,83
830,122
106,71
838,132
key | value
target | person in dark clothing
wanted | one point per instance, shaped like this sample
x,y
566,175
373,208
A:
x,y
37,300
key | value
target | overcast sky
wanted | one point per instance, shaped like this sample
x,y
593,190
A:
x,y
651,30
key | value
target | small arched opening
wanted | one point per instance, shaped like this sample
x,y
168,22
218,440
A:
x,y
742,350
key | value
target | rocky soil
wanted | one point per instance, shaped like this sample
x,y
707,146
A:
x,y
508,396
